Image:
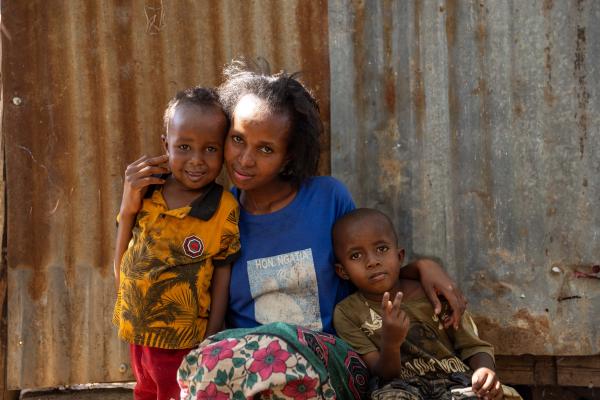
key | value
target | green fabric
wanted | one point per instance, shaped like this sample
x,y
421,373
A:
x,y
274,361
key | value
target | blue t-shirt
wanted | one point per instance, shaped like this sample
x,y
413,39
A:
x,y
286,272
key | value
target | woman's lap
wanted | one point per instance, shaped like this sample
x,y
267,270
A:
x,y
275,361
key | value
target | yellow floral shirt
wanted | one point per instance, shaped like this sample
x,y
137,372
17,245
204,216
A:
x,y
164,294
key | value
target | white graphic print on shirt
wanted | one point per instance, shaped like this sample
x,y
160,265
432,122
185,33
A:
x,y
284,289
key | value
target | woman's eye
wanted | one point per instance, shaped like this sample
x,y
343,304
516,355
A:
x,y
236,139
183,147
266,149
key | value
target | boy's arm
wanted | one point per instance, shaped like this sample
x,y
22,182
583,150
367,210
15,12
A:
x,y
435,280
219,294
138,176
478,354
386,362
485,382
124,234
481,360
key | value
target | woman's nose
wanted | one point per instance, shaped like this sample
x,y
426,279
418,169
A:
x,y
246,159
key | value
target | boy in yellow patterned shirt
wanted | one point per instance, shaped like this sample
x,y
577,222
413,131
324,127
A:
x,y
176,239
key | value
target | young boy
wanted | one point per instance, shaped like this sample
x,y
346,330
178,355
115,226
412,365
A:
x,y
173,276
390,322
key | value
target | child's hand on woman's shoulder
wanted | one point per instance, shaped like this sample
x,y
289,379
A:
x,y
486,384
395,321
138,176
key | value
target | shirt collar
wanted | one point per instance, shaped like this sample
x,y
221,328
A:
x,y
204,206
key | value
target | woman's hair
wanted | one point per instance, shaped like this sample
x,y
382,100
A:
x,y
199,96
282,93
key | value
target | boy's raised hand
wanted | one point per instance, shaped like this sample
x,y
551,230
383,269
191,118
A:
x,y
138,176
486,385
395,321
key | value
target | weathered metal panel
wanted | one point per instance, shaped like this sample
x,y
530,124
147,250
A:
x,y
86,84
476,126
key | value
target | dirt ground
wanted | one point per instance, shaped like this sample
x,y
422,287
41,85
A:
x,y
116,391
125,393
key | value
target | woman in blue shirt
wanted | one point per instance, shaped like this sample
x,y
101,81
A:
x,y
283,287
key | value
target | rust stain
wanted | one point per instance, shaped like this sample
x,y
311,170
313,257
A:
x,y
244,37
518,109
580,74
525,334
214,11
419,99
549,96
388,74
93,62
453,97
481,89
311,16
273,13
451,6
499,288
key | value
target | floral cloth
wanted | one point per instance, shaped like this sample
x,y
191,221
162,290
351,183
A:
x,y
274,361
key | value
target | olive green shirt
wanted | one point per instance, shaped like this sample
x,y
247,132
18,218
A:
x,y
429,350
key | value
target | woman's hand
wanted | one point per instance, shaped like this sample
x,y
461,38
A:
x,y
435,281
138,176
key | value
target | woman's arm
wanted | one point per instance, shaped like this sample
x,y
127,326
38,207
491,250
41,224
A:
x,y
435,281
219,294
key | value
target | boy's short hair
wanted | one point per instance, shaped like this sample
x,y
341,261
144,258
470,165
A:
x,y
203,97
281,92
357,215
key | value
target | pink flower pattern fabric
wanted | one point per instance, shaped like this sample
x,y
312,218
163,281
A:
x,y
269,360
220,351
265,368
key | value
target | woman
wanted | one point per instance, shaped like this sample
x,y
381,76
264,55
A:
x,y
285,272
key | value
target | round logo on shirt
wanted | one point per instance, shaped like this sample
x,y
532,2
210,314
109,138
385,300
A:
x,y
193,246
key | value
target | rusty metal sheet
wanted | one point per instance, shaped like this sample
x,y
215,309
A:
x,y
476,126
85,85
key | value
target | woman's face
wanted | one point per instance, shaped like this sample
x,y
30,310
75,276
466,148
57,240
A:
x,y
256,145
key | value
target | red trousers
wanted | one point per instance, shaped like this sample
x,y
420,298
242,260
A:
x,y
155,372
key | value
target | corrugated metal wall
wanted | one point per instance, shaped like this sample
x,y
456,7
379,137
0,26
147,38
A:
x,y
476,125
86,84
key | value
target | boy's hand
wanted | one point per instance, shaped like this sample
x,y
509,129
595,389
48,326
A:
x,y
486,384
395,321
138,176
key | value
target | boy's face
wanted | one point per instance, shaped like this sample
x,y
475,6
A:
x,y
194,144
368,256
